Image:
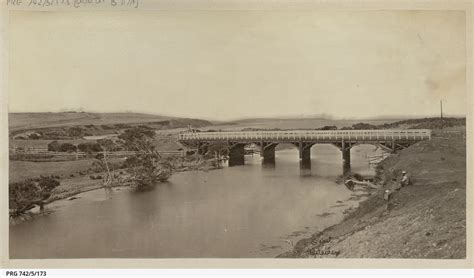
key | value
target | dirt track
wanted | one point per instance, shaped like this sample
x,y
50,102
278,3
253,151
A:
x,y
426,219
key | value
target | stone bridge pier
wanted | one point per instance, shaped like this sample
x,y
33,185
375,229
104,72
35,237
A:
x,y
304,151
345,148
267,151
236,154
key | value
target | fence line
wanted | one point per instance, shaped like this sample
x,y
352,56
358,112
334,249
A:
x,y
73,154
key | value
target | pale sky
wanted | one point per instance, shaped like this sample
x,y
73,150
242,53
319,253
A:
x,y
237,64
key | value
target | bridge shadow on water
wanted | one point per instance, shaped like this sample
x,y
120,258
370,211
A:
x,y
268,163
305,167
325,162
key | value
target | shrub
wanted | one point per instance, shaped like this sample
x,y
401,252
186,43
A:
x,y
33,136
89,147
24,195
53,146
75,132
122,126
67,147
328,127
363,126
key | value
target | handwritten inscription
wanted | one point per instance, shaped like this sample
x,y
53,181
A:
x,y
74,3
324,252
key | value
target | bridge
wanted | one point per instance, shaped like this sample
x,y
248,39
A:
x,y
390,140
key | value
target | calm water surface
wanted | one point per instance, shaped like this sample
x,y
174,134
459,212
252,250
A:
x,y
244,211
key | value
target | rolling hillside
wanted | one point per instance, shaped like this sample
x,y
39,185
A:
x,y
27,121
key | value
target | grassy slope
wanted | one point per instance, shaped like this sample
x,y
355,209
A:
x,y
428,219
292,123
311,123
21,170
37,120
24,121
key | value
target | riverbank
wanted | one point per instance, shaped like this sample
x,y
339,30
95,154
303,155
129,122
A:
x,y
425,220
71,183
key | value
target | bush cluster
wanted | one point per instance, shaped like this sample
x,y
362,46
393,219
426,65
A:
x,y
55,146
24,195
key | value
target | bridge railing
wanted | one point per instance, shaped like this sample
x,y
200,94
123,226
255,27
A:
x,y
358,135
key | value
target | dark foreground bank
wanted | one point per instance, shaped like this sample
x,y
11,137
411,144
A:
x,y
426,219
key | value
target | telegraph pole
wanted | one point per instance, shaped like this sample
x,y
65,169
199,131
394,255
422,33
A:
x,y
441,107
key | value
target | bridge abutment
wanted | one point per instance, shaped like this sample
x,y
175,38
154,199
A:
x,y
236,155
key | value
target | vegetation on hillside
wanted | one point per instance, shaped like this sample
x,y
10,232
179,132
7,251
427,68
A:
x,y
56,126
424,123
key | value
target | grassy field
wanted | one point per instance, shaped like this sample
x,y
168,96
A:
x,y
37,120
40,143
161,143
21,170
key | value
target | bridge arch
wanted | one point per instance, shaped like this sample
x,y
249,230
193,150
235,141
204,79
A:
x,y
344,140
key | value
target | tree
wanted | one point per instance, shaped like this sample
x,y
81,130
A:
x,y
362,126
216,151
76,132
328,127
89,147
53,146
24,195
34,136
133,138
147,167
102,160
67,147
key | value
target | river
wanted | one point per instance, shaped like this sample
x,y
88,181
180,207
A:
x,y
246,211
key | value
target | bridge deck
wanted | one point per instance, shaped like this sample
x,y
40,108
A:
x,y
409,135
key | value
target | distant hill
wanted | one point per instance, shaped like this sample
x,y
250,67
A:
x,y
292,123
28,121
318,123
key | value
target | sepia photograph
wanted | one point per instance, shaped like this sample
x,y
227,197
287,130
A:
x,y
237,134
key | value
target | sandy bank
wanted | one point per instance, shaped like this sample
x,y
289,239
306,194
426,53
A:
x,y
426,220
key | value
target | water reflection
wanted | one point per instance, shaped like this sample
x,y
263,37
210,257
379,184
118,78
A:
x,y
108,192
268,163
230,212
346,169
305,167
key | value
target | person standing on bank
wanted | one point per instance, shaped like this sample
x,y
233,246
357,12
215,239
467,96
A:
x,y
405,181
396,186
